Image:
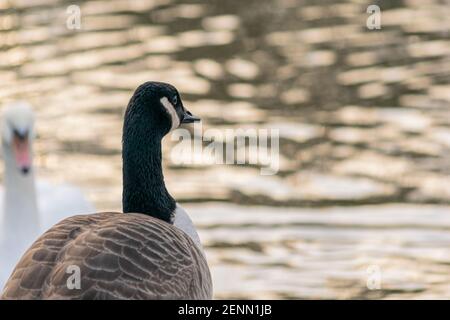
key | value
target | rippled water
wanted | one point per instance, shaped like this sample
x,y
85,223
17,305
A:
x,y
362,194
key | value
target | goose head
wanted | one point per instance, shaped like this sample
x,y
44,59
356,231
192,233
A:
x,y
17,134
157,106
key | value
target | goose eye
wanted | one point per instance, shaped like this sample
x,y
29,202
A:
x,y
175,100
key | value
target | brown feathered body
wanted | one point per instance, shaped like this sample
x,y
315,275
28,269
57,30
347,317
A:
x,y
117,256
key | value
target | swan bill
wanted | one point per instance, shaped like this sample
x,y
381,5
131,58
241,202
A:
x,y
22,152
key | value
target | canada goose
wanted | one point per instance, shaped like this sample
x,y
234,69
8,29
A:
x,y
151,251
27,208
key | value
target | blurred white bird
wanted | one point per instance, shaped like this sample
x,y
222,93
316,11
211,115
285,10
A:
x,y
27,208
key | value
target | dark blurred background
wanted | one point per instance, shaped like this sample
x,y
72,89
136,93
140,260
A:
x,y
360,206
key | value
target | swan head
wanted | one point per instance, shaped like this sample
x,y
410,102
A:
x,y
158,106
18,133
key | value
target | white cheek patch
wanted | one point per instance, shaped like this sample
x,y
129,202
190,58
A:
x,y
171,110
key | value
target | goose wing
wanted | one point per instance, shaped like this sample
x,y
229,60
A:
x,y
116,256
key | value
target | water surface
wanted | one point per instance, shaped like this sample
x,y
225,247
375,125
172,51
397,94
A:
x,y
363,118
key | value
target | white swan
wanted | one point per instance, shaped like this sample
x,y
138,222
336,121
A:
x,y
27,207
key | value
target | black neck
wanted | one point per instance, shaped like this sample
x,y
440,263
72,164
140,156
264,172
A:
x,y
144,190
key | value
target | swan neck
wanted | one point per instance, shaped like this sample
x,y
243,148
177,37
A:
x,y
20,203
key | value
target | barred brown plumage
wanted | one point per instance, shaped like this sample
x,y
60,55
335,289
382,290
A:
x,y
120,256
